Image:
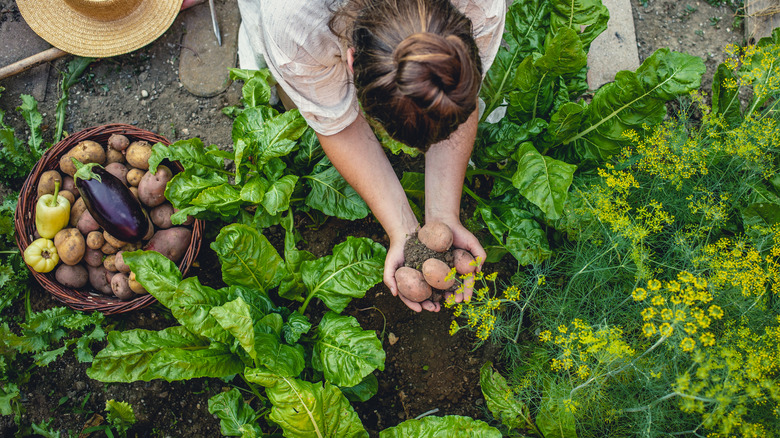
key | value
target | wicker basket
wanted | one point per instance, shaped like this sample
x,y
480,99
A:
x,y
88,299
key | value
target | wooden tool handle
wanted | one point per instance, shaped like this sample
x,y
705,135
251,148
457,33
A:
x,y
28,63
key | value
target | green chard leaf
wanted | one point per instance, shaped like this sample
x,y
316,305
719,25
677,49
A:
x,y
363,391
191,305
725,98
331,194
542,180
449,426
576,14
248,258
304,409
236,417
191,154
517,232
156,273
500,399
292,286
355,266
344,352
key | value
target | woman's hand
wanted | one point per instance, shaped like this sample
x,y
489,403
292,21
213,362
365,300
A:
x,y
463,239
394,260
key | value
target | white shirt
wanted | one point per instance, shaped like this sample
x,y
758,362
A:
x,y
310,62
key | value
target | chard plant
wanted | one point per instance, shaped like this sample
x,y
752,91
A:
x,y
659,314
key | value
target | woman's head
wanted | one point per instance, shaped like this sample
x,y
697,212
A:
x,y
416,67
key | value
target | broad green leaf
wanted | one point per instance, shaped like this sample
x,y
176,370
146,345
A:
x,y
191,154
237,318
127,356
29,111
120,414
498,141
191,305
156,273
277,197
414,186
555,421
9,391
576,14
761,215
524,33
449,426
344,352
303,409
186,186
214,360
563,54
236,417
292,286
254,189
515,231
500,399
295,326
542,180
363,391
725,96
248,258
355,266
309,152
632,100
224,199
331,195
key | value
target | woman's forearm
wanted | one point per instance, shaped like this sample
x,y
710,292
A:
x,y
361,160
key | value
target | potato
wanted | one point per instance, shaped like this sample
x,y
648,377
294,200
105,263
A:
x,y
134,176
78,209
70,245
134,191
95,239
151,189
69,185
108,248
47,181
119,262
435,272
132,246
412,285
136,286
87,223
93,257
114,156
436,236
119,170
113,241
118,142
149,230
109,263
120,286
66,164
68,195
88,151
463,261
171,243
98,280
161,216
74,277
138,153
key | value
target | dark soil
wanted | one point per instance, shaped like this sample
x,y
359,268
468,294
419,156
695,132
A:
x,y
426,369
416,253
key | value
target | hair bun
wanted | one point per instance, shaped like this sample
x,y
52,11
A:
x,y
435,72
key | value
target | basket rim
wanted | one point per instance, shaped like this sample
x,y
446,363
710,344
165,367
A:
x,y
87,298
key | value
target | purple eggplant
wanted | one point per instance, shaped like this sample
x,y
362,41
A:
x,y
111,203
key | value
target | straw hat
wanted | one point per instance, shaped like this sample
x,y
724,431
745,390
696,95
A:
x,y
99,28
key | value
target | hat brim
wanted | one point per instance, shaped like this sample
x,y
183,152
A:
x,y
73,32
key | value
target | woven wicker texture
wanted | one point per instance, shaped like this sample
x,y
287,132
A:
x,y
88,299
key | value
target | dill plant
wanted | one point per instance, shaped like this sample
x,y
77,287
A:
x,y
659,315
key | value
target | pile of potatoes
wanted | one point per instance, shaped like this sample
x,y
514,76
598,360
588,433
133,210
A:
x,y
89,254
418,283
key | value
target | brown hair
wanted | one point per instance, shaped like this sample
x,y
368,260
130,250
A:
x,y
416,66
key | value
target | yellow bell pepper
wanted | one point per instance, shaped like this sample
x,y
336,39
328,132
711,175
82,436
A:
x,y
52,213
41,255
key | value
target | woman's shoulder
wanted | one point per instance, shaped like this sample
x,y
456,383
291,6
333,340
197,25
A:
x,y
292,25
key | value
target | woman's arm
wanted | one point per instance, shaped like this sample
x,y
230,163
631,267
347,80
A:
x,y
445,169
361,160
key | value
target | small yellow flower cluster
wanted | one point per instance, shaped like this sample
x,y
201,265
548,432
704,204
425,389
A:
x,y
666,157
733,263
764,72
727,379
712,208
679,306
584,348
480,310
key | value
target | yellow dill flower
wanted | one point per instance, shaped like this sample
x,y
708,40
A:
x,y
492,276
451,274
639,294
716,312
673,286
666,329
687,344
685,277
658,300
707,339
541,280
648,329
562,328
545,336
667,314
454,327
700,283
583,371
654,284
512,293
690,328
648,313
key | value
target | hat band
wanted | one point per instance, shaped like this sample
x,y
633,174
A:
x,y
104,10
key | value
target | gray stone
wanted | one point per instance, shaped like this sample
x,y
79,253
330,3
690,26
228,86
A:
x,y
17,42
615,49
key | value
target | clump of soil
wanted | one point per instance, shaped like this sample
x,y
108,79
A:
x,y
415,253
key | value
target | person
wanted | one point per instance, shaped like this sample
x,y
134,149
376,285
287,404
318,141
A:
x,y
415,66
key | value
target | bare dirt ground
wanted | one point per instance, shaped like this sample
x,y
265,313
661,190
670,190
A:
x,y
426,368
